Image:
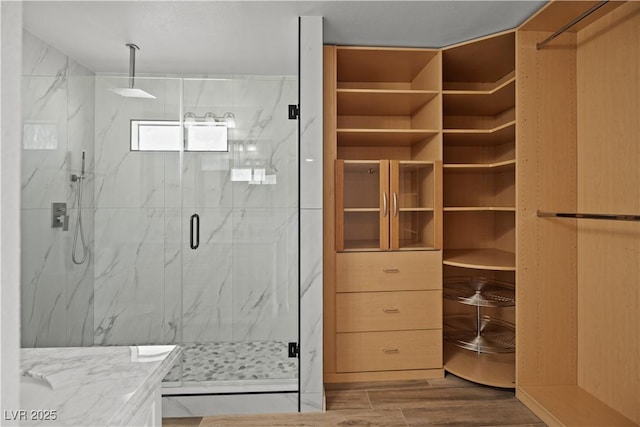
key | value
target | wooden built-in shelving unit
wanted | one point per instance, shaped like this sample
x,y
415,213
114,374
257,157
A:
x,y
479,139
578,280
501,130
384,143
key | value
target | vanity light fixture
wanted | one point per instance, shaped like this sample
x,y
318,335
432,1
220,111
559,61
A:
x,y
211,119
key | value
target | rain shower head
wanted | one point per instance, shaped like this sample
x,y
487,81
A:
x,y
131,91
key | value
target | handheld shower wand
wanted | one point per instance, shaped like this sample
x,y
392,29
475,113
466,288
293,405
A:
x,y
79,230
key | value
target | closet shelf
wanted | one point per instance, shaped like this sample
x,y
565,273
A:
x,y
494,335
480,102
383,137
468,137
481,259
479,209
382,102
362,209
479,167
497,370
479,291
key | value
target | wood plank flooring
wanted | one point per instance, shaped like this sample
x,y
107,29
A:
x,y
448,401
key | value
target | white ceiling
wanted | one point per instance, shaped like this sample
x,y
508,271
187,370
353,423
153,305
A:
x,y
251,37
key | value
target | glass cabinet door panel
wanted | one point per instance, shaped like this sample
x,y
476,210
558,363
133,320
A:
x,y
416,185
361,185
362,205
416,230
415,204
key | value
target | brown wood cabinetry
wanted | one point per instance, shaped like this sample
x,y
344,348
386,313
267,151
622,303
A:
x,y
578,293
550,306
387,204
479,192
383,293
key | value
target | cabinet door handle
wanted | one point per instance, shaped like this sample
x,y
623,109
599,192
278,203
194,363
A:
x,y
390,350
395,204
391,270
194,231
385,206
391,310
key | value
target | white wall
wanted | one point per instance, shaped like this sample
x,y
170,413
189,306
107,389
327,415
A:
x,y
10,60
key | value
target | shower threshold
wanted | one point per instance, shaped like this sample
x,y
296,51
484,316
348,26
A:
x,y
233,367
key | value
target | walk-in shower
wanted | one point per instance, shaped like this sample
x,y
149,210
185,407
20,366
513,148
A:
x,y
128,272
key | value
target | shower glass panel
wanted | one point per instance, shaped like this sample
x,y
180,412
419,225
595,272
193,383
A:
x,y
138,268
196,247
240,284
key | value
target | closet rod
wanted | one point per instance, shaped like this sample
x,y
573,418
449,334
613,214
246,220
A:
x,y
613,217
571,24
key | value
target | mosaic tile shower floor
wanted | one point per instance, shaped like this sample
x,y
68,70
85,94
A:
x,y
224,361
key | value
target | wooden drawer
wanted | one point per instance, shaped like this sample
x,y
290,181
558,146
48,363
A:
x,y
388,351
388,271
388,311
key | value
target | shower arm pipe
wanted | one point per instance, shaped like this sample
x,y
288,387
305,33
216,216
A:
x,y
132,63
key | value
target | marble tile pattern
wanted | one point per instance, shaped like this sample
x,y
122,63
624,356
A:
x,y
241,283
221,361
58,124
311,169
95,386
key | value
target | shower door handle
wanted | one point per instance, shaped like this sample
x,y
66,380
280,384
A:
x,y
194,231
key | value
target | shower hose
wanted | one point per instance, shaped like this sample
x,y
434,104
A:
x,y
79,229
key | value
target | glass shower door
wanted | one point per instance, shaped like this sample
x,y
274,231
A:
x,y
137,268
240,235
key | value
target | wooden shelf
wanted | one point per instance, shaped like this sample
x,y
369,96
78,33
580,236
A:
x,y
383,137
569,405
480,102
482,259
481,131
496,370
482,61
479,167
415,210
479,209
500,135
379,64
363,102
361,245
361,209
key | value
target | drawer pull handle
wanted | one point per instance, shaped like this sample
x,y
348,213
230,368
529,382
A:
x,y
391,270
390,350
391,310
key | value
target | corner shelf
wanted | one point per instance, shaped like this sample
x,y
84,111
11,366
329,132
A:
x,y
492,336
479,209
480,102
496,370
479,167
480,259
479,291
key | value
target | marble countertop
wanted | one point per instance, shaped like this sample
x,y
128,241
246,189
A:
x,y
90,386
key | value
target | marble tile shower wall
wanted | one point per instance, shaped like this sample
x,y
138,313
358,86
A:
x,y
241,283
58,123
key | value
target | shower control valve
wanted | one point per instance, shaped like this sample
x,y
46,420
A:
x,y
59,217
